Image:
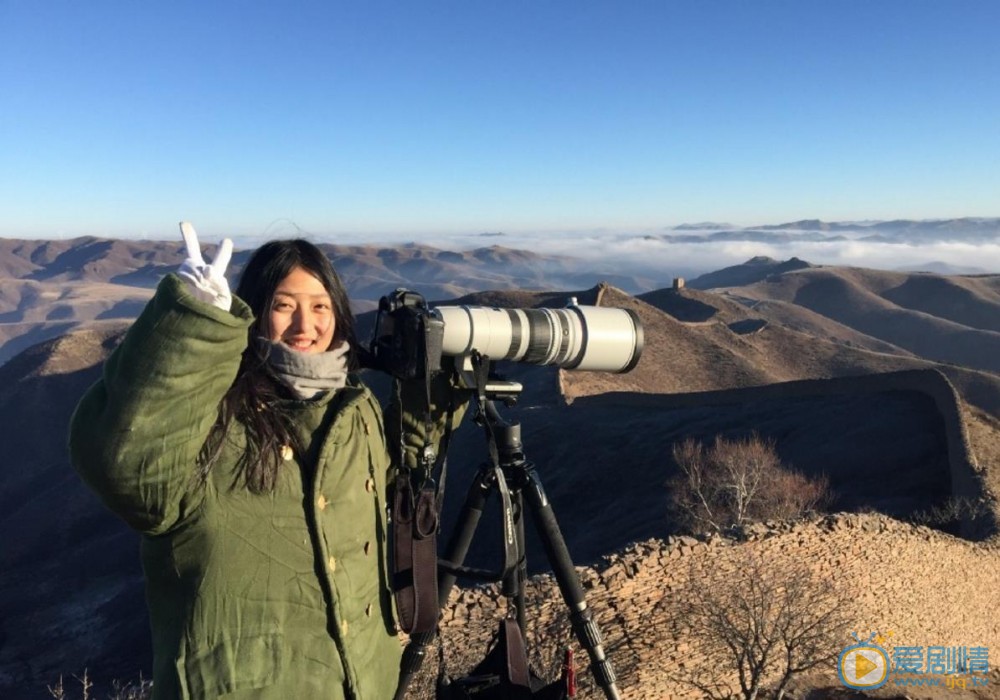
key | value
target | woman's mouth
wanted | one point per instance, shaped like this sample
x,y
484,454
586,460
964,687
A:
x,y
301,344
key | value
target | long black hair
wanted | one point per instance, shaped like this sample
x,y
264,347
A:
x,y
254,401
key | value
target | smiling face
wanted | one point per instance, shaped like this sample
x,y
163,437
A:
x,y
301,314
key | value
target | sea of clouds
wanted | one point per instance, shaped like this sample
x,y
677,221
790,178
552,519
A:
x,y
652,254
664,252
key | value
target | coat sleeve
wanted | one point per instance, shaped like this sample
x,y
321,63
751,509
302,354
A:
x,y
136,434
406,428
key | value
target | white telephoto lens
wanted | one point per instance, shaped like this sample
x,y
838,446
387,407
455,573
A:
x,y
576,337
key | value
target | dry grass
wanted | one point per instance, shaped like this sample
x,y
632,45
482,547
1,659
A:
x,y
141,689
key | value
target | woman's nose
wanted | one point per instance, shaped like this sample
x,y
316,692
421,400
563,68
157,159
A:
x,y
301,319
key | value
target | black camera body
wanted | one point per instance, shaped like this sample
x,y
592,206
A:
x,y
408,337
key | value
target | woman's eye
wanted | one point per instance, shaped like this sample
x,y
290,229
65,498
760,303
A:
x,y
282,306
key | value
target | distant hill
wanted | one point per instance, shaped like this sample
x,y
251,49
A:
x,y
902,232
946,319
703,226
969,228
48,288
693,306
943,268
753,270
72,585
369,271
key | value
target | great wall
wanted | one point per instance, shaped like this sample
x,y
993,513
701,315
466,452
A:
x,y
926,587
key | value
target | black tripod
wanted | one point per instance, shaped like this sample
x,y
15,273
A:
x,y
525,488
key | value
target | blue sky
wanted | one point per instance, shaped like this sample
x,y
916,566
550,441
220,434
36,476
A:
x,y
375,120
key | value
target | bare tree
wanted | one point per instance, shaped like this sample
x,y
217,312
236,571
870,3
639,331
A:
x,y
738,481
762,624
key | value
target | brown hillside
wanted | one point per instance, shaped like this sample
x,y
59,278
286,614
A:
x,y
31,311
751,271
965,300
694,306
983,432
683,357
802,320
29,301
866,300
142,263
84,259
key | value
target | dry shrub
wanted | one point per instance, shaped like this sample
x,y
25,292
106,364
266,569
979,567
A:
x,y
790,494
736,482
762,625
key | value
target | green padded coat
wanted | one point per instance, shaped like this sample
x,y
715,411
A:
x,y
284,595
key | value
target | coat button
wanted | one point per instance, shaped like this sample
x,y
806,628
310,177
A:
x,y
287,453
367,548
343,628
368,610
368,430
321,502
332,564
369,485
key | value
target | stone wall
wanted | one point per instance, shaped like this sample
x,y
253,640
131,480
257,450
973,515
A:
x,y
927,587
967,475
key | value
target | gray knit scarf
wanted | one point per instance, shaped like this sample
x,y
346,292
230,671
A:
x,y
309,375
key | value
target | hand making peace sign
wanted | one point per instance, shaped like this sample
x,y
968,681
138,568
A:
x,y
207,281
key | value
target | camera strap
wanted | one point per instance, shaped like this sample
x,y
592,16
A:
x,y
417,511
415,556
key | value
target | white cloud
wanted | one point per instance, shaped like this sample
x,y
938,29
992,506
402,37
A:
x,y
648,253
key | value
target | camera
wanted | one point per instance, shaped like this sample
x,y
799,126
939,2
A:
x,y
406,342
410,338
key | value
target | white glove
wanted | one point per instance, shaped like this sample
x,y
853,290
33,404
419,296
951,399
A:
x,y
206,282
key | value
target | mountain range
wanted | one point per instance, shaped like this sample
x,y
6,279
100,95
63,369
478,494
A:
x,y
885,382
968,229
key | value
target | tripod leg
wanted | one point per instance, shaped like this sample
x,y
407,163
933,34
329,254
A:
x,y
581,617
455,553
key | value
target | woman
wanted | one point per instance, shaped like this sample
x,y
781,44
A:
x,y
230,431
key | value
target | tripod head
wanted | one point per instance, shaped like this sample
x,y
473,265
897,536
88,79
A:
x,y
477,373
503,391
506,437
